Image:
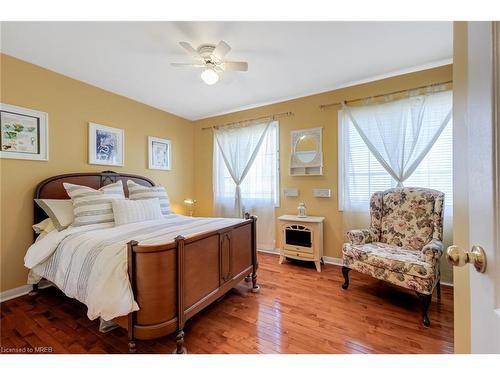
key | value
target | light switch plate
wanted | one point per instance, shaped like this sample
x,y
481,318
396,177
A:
x,y
291,192
322,193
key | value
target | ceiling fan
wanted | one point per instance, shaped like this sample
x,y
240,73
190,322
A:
x,y
210,58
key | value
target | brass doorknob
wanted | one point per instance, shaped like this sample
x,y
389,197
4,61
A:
x,y
459,258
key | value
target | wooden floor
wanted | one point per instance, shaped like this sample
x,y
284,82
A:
x,y
297,311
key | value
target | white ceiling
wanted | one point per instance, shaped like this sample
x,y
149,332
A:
x,y
286,59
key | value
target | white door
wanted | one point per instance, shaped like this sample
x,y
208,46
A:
x,y
483,160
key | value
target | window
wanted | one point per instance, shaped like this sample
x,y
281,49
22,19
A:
x,y
360,174
262,181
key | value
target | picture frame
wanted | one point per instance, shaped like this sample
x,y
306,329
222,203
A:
x,y
106,145
24,133
160,153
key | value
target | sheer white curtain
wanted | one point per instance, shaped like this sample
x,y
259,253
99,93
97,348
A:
x,y
248,152
238,145
400,133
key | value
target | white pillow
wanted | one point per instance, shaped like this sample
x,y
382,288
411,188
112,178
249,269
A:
x,y
92,206
59,210
127,211
137,192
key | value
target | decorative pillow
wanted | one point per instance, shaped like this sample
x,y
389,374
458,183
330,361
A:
x,y
127,211
138,192
92,206
59,210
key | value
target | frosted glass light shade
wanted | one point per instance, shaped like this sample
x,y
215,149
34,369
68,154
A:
x,y
209,76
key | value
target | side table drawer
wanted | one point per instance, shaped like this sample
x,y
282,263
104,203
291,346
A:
x,y
297,249
298,254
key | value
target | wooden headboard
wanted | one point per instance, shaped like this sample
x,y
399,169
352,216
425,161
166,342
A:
x,y
52,187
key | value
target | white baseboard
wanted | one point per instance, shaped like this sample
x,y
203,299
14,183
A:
x,y
269,251
327,260
333,260
21,291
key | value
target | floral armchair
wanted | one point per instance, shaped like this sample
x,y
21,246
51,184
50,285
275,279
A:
x,y
403,244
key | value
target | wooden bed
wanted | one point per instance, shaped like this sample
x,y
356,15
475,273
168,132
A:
x,y
174,281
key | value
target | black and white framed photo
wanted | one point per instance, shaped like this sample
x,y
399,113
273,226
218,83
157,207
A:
x,y
24,133
106,145
160,153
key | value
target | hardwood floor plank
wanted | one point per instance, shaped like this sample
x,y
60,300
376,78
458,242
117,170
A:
x,y
298,310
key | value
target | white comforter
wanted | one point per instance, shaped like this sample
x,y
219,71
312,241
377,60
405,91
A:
x,y
89,263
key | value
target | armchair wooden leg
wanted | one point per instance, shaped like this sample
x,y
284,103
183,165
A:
x,y
426,302
345,272
438,287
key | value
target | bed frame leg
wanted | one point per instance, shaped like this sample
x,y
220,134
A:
x,y
179,342
132,347
255,287
34,290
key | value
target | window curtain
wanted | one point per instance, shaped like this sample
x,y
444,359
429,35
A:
x,y
400,133
245,175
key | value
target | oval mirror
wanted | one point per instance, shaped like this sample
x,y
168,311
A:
x,y
306,148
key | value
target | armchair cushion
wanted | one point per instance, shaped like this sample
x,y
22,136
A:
x,y
392,258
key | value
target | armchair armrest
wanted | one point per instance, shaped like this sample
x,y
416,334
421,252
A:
x,y
432,251
361,236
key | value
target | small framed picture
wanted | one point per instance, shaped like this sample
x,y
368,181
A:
x,y
24,133
105,145
160,153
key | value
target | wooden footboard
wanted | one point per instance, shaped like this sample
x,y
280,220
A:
x,y
173,282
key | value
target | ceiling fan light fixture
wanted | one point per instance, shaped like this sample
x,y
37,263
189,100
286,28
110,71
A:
x,y
209,76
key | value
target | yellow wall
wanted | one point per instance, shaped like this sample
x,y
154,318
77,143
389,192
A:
x,y
70,105
306,115
461,291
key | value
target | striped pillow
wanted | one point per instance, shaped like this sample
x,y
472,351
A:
x,y
136,192
127,211
92,206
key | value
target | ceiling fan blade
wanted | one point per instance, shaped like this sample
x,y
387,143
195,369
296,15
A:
x,y
187,65
221,50
236,65
192,52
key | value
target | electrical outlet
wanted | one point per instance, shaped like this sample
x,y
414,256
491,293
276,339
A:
x,y
322,193
291,192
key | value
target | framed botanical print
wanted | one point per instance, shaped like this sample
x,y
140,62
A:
x,y
24,133
160,153
105,145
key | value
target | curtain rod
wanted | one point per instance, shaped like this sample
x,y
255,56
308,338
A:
x,y
325,106
272,117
